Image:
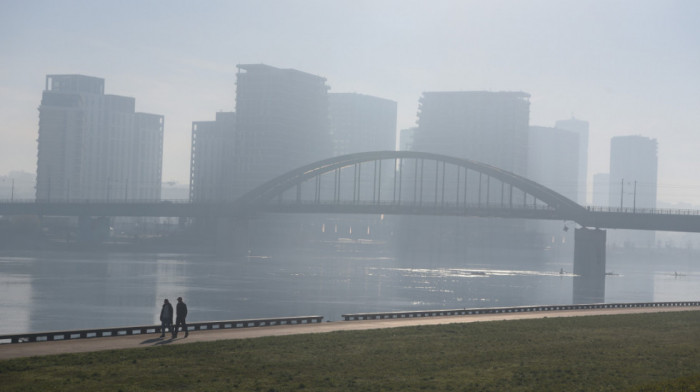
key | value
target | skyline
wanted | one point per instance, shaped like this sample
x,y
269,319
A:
x,y
628,68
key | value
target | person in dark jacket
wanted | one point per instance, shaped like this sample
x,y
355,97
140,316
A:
x,y
181,315
166,317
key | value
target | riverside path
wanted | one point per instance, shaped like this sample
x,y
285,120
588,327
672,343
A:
x,y
8,351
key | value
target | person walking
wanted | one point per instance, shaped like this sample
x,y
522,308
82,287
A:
x,y
166,317
181,315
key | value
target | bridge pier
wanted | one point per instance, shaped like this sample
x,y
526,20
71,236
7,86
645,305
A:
x,y
232,237
589,266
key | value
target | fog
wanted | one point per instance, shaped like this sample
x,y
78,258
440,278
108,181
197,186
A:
x,y
626,67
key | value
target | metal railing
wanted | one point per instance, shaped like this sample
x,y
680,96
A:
x,y
637,210
514,309
151,329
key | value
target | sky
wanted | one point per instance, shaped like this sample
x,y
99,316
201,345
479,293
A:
x,y
627,67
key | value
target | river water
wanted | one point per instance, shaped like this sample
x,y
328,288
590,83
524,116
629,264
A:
x,y
46,291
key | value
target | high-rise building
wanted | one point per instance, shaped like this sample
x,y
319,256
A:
x,y
633,172
147,168
94,146
633,182
489,127
553,159
579,127
361,123
211,163
601,189
553,162
281,123
406,137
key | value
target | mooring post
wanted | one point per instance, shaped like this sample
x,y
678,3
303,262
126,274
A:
x,y
589,266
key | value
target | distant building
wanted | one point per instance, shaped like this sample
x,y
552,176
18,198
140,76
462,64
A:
x,y
579,127
633,172
211,163
601,189
489,127
361,123
406,137
553,159
633,182
281,123
553,162
93,146
147,167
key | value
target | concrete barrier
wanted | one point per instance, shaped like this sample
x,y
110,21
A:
x,y
537,308
149,329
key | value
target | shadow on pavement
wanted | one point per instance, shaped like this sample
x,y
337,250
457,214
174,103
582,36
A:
x,y
158,341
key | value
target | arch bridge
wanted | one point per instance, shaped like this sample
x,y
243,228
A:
x,y
408,182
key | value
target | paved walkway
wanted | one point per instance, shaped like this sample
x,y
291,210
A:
x,y
18,350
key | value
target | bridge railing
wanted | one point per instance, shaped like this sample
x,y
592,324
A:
x,y
96,201
151,329
412,203
636,210
426,203
514,309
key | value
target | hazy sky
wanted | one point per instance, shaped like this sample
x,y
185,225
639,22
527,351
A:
x,y
627,67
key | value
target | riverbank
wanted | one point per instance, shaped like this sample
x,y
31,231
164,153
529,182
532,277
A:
x,y
646,352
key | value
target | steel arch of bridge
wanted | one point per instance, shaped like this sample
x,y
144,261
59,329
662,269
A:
x,y
417,183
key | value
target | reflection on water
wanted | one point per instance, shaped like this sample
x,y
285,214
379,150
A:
x,y
56,291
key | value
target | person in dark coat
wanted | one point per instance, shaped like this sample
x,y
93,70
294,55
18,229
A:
x,y
166,317
181,315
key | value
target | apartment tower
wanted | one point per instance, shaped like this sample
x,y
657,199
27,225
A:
x,y
361,123
94,146
281,123
580,128
211,162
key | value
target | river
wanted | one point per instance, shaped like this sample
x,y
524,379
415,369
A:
x,y
46,291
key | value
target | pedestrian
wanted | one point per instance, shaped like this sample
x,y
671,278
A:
x,y
181,315
166,317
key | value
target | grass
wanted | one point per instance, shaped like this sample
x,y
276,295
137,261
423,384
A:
x,y
643,352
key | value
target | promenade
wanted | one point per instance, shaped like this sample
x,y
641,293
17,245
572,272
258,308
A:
x,y
18,350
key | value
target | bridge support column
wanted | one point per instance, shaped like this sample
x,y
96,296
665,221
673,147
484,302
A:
x,y
589,266
232,237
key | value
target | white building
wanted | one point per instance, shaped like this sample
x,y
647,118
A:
x,y
211,163
406,137
633,172
93,146
281,123
633,184
580,128
553,159
361,123
488,127
601,189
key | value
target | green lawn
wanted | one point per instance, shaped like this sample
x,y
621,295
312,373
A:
x,y
645,352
